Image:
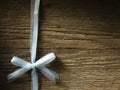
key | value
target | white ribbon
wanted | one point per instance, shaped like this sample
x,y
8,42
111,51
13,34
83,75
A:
x,y
40,64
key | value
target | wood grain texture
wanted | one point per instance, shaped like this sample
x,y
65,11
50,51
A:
x,y
84,34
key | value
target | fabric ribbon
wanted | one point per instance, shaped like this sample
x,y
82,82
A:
x,y
40,64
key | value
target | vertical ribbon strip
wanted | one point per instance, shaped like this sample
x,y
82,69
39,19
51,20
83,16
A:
x,y
34,37
40,64
34,28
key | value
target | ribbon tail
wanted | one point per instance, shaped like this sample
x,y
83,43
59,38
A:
x,y
51,75
56,74
34,76
16,74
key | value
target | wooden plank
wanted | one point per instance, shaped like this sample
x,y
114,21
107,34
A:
x,y
84,34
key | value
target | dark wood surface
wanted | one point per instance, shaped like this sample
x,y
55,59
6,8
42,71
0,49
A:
x,y
84,34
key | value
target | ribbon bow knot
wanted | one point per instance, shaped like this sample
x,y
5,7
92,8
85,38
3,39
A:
x,y
40,65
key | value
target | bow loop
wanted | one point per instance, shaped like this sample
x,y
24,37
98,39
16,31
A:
x,y
45,60
19,62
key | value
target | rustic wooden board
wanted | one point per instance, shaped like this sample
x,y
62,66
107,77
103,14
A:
x,y
84,34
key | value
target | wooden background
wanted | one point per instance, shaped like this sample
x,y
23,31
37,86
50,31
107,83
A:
x,y
84,34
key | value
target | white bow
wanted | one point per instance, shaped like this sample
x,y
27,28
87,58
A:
x,y
40,65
